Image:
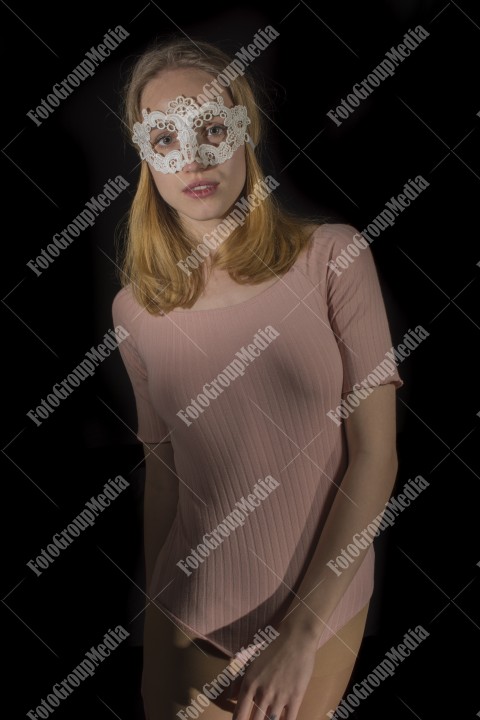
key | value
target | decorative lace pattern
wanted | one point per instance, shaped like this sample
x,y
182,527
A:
x,y
180,125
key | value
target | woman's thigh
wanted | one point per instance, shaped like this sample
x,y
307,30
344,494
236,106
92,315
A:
x,y
177,668
174,664
333,669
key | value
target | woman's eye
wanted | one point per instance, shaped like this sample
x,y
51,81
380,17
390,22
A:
x,y
216,131
164,141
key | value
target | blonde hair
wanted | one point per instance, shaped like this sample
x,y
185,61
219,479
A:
x,y
155,241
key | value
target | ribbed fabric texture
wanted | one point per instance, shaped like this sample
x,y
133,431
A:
x,y
272,420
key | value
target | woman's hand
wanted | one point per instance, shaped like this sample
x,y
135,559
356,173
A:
x,y
278,677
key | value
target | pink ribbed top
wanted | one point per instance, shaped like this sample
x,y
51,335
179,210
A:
x,y
272,420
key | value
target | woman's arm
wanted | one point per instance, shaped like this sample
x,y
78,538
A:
x,y
280,675
160,503
365,488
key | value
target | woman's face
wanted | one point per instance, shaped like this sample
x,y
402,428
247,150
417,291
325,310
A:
x,y
199,208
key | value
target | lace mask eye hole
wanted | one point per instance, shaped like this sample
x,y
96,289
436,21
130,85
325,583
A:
x,y
216,133
164,140
211,129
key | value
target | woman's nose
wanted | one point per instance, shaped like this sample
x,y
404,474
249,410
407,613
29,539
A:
x,y
193,166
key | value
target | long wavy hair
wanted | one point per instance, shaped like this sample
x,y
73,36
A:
x,y
154,240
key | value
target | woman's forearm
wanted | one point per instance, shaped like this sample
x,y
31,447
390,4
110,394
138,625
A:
x,y
366,487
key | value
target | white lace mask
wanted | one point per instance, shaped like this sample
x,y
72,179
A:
x,y
208,133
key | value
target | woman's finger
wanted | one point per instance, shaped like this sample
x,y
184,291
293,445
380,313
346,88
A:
x,y
244,703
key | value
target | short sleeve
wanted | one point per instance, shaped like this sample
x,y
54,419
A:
x,y
357,312
150,427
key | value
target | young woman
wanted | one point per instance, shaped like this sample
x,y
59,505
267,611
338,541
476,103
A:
x,y
244,336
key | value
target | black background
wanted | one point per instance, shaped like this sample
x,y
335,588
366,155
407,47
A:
x,y
424,120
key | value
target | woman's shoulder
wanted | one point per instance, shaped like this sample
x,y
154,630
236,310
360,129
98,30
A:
x,y
325,242
331,237
124,306
336,255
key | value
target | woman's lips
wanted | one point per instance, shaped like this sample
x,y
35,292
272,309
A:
x,y
200,189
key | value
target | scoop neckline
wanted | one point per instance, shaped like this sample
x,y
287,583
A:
x,y
249,301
